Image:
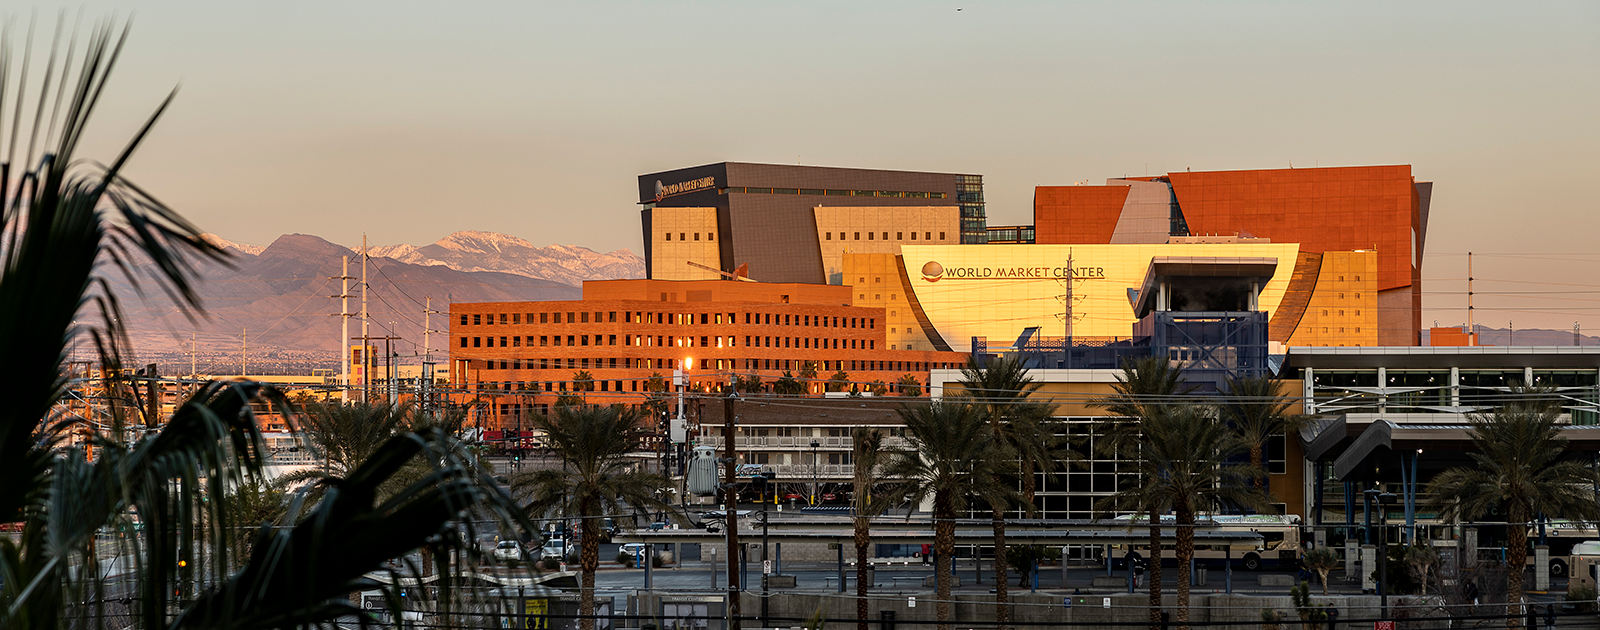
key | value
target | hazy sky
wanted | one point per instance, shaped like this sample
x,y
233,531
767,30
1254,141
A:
x,y
410,120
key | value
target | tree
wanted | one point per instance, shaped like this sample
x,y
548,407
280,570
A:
x,y
1022,429
597,480
808,375
786,385
839,382
1258,409
74,229
868,455
954,458
909,386
1322,560
751,384
582,381
1143,390
1184,466
1518,466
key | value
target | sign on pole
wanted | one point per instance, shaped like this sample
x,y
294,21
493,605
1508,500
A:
x,y
766,567
1383,625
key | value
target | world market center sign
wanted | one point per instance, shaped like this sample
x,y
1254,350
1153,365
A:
x,y
933,272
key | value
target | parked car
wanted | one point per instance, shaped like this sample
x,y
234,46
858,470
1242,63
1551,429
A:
x,y
508,550
555,548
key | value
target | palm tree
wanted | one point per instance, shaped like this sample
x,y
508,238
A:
x,y
867,442
1184,466
1258,409
954,457
74,229
1144,390
596,480
1022,428
1518,466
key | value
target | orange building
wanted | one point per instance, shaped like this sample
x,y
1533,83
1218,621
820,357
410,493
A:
x,y
1380,208
522,356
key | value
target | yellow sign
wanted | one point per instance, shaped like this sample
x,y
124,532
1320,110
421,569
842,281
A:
x,y
536,611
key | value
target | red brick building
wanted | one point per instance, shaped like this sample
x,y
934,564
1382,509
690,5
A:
x,y
521,356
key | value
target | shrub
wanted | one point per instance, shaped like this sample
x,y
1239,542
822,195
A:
x,y
624,558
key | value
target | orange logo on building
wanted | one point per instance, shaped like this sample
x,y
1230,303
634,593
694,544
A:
x,y
932,271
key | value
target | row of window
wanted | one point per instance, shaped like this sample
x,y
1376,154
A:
x,y
672,341
684,236
583,363
681,319
1341,313
832,192
899,236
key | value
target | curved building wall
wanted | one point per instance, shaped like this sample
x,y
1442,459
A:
x,y
996,292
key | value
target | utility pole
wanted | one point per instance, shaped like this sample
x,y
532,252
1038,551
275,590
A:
x,y
729,493
425,381
344,331
192,367
1472,329
366,355
392,381
244,352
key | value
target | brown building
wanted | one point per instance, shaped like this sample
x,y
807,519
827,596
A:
x,y
606,348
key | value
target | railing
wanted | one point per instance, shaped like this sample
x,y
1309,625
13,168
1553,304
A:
x,y
799,443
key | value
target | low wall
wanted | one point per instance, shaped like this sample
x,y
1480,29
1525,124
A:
x,y
1090,609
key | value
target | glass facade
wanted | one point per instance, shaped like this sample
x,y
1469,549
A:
x,y
974,219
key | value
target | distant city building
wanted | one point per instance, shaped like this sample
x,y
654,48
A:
x,y
1372,208
790,223
523,356
942,297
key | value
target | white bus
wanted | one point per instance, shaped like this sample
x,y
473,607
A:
x,y
1279,545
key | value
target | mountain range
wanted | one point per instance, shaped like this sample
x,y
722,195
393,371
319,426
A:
x,y
273,309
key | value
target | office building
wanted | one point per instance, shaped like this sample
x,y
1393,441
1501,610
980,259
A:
x,y
606,348
786,223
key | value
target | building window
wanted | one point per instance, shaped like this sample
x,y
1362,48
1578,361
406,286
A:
x,y
710,236
516,342
858,236
571,317
477,342
869,236
913,236
1358,296
463,319
544,318
683,236
886,236
899,236
669,236
1341,278
1358,313
477,319
941,236
829,236
463,342
697,236
516,318
502,319
611,317
1341,313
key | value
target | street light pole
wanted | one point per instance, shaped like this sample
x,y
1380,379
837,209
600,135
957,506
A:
x,y
814,446
1383,500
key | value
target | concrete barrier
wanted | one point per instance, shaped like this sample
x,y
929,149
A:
x,y
1275,579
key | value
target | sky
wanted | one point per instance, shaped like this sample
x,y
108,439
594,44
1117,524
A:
x,y
406,121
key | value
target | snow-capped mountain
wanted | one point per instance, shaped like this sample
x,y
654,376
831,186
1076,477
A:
x,y
489,251
253,250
